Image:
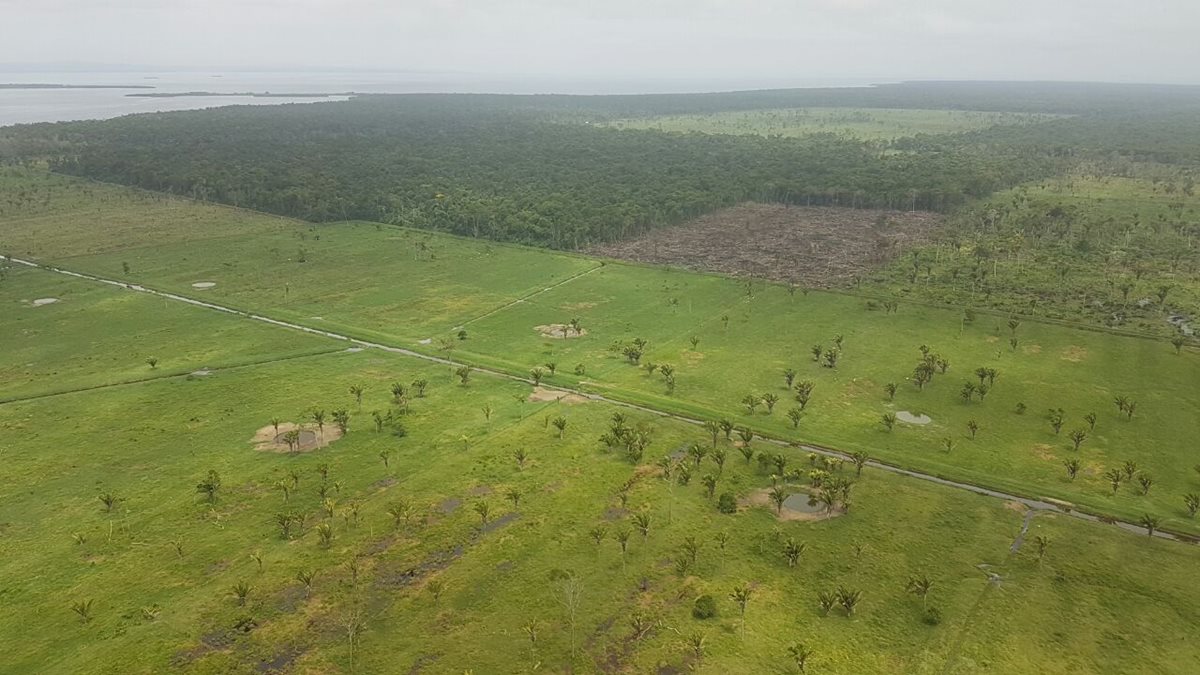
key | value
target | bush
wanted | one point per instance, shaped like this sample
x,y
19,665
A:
x,y
704,607
727,503
932,616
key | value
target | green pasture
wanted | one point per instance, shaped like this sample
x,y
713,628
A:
x,y
160,568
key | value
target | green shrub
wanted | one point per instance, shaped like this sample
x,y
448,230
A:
x,y
705,607
727,503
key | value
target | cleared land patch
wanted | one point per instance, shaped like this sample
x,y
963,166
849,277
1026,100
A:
x,y
878,124
812,246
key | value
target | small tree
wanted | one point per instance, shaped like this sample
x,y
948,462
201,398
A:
x,y
789,377
890,390
1072,465
800,654
794,414
1192,502
888,420
920,587
769,399
241,591
209,486
848,599
751,402
1078,436
152,362
484,510
560,423
860,460
464,374
536,375
513,495
520,455
792,550
1114,476
778,496
356,390
83,609
972,428
641,520
1150,523
1042,542
1090,418
741,597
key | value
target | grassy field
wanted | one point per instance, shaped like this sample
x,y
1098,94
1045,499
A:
x,y
95,335
161,567
389,565
873,124
420,297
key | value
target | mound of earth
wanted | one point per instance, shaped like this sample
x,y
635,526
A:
x,y
795,507
818,247
543,395
311,438
559,331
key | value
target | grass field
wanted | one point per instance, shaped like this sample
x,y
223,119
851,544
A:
x,y
874,124
420,297
149,444
436,587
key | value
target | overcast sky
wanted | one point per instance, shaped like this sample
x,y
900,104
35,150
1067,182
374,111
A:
x,y
1108,40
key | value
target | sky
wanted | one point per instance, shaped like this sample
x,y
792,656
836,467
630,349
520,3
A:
x,y
727,40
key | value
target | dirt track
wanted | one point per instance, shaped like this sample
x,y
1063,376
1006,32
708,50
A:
x,y
812,246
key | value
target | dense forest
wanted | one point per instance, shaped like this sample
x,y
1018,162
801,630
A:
x,y
538,170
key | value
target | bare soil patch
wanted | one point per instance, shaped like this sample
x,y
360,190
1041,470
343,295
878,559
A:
x,y
810,246
204,284
543,395
560,331
1074,354
311,438
910,418
42,302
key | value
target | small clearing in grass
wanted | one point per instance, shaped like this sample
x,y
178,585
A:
x,y
559,331
311,438
543,395
204,284
910,418
41,302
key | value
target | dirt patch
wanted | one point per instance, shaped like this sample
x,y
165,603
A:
x,y
1032,349
560,331
311,438
542,395
762,498
1044,452
811,246
1074,354
910,418
42,302
204,284
1015,506
576,306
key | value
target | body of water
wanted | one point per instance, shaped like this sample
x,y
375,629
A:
x,y
20,106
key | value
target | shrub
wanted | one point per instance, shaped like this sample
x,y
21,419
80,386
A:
x,y
932,616
705,607
727,503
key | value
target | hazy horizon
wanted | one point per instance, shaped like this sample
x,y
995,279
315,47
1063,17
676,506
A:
x,y
704,40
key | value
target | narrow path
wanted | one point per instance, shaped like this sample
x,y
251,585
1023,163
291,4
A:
x,y
1016,545
1035,504
536,293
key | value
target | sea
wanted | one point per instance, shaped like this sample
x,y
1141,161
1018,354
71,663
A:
x,y
30,105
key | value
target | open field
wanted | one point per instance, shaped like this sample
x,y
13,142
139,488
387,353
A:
x,y
63,334
871,124
506,293
434,588
817,247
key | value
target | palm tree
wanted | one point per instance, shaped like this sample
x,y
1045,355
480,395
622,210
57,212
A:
x,y
726,428
1072,465
889,420
1145,481
536,375
710,484
641,520
1150,523
341,418
794,414
690,548
817,350
209,486
1192,501
356,390
152,362
890,388
318,418
275,422
419,386
399,510
800,654
84,609
464,374
436,587
751,402
972,428
697,452
622,536
560,423
305,577
848,599
769,399
792,550
1090,418
1129,467
718,458
520,455
1114,476
109,500
747,452
484,510
713,428
488,410
745,436
324,534
696,643
241,590
1043,542
513,495
598,533
741,597
778,496
920,587
826,600
1077,437
789,376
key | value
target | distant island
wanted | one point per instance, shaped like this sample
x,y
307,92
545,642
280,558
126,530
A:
x,y
265,94
21,85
